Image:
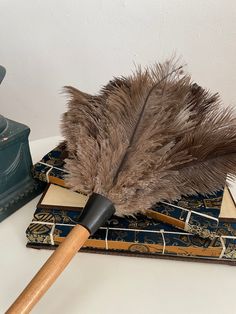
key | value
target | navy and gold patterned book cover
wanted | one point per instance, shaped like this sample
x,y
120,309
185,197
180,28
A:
x,y
51,167
197,214
141,235
200,223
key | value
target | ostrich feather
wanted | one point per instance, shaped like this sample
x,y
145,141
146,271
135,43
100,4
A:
x,y
149,137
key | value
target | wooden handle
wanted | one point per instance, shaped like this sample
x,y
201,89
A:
x,y
50,271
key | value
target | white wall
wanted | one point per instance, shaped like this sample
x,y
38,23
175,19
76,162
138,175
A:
x,y
47,44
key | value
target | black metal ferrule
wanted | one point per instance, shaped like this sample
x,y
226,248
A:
x,y
96,212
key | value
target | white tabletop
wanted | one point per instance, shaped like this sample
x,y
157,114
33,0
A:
x,y
101,284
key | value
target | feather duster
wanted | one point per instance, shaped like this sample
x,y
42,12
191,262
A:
x,y
153,136
149,137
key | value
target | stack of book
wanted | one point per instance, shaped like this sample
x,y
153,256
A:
x,y
199,228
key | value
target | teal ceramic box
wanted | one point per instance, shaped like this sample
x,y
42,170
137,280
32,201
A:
x,y
17,186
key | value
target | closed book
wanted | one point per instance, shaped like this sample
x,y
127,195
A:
x,y
140,236
196,214
183,215
50,168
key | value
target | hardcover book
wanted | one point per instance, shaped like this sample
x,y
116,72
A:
x,y
222,224
196,214
50,168
201,214
140,236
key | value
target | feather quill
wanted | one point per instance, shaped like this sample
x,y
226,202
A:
x,y
153,136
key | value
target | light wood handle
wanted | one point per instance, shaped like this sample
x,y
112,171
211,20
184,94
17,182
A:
x,y
50,271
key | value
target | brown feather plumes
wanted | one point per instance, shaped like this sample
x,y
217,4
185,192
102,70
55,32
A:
x,y
153,136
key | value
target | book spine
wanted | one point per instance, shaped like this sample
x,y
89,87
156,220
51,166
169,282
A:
x,y
189,220
47,173
135,240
